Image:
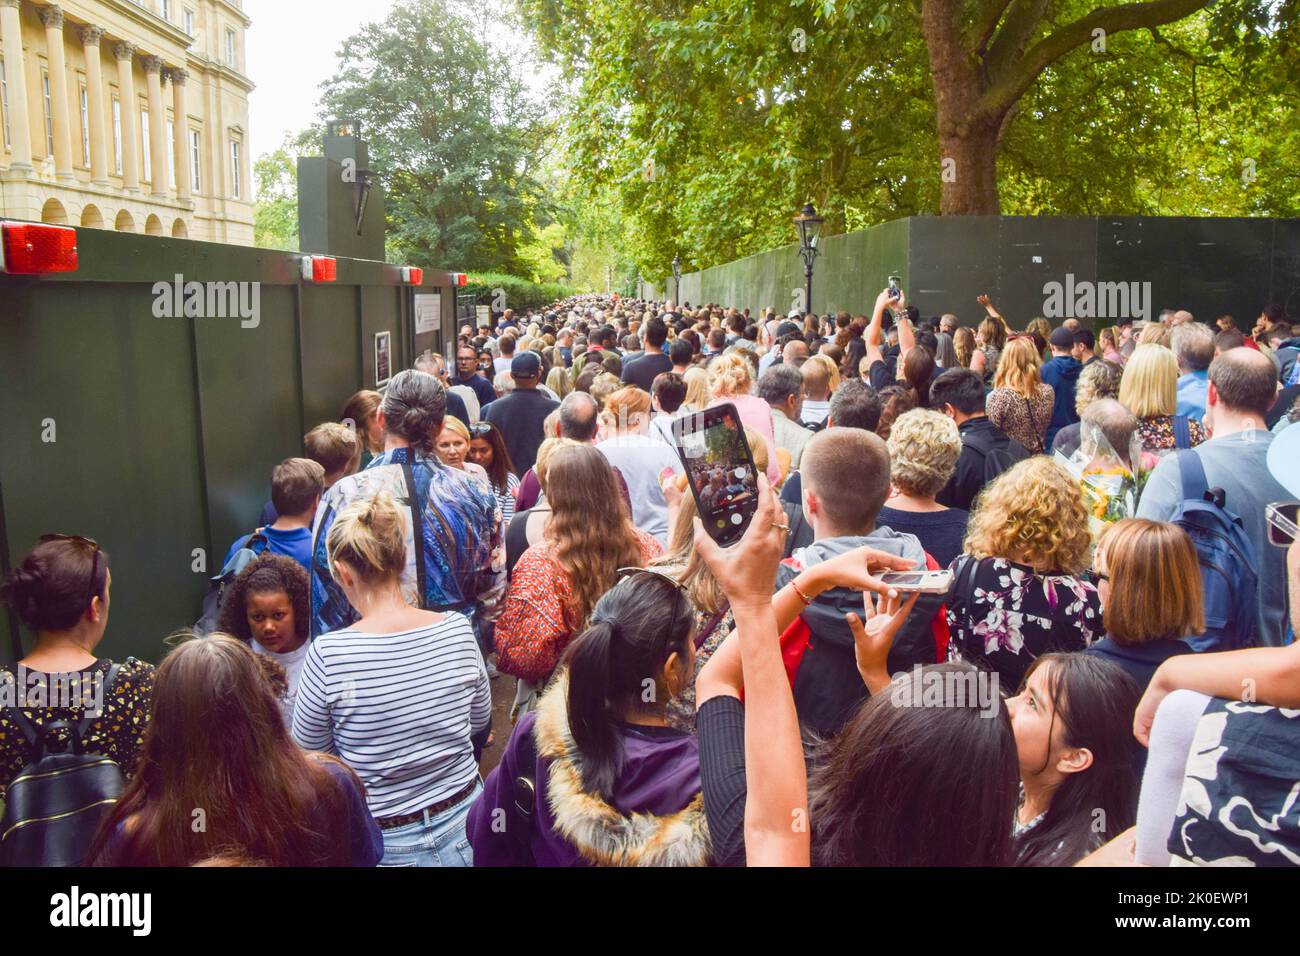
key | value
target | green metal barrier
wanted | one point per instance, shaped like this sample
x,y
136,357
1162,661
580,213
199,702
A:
x,y
156,436
1206,265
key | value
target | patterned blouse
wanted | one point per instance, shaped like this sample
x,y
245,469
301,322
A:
x,y
534,627
1022,419
463,564
1006,614
116,734
1157,433
681,710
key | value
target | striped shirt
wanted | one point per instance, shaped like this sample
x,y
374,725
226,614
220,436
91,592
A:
x,y
398,709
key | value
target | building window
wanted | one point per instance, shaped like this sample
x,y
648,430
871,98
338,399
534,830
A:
x,y
144,139
85,126
171,154
4,101
194,159
49,113
117,135
167,10
230,47
188,17
234,169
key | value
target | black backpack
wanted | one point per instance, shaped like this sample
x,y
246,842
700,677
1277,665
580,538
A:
x,y
56,803
254,545
998,457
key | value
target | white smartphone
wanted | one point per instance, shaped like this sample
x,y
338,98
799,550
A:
x,y
923,582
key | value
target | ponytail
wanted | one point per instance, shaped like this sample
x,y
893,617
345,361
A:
x,y
590,718
629,639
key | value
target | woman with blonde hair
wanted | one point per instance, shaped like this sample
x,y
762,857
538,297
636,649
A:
x,y
452,448
963,343
697,390
558,381
731,379
990,339
1155,333
587,538
1149,389
400,696
1021,403
1108,345
924,446
639,456
1018,589
1041,328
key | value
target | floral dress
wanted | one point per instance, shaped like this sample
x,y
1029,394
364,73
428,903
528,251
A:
x,y
1002,615
681,710
1156,433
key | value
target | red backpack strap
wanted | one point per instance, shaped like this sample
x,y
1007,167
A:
x,y
939,623
793,644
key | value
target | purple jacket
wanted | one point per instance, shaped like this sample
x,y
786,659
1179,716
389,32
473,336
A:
x,y
660,778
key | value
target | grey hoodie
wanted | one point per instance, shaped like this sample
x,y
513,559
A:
x,y
827,688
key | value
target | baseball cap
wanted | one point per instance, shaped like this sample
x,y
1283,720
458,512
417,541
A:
x,y
1062,338
526,365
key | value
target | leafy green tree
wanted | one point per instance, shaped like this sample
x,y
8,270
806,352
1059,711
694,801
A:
x,y
452,130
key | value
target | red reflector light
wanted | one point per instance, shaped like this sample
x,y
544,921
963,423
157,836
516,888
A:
x,y
36,249
413,274
461,278
320,268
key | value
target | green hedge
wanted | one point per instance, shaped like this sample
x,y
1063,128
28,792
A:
x,y
519,293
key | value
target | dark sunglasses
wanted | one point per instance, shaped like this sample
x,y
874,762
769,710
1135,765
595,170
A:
x,y
1283,519
94,560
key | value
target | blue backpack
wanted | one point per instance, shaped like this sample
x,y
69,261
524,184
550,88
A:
x,y
1229,572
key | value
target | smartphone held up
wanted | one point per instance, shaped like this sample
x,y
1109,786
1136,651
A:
x,y
720,470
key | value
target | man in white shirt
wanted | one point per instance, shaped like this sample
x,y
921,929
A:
x,y
781,387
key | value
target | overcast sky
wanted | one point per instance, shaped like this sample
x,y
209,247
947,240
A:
x,y
291,50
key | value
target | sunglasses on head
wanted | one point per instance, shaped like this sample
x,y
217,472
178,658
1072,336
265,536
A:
x,y
94,560
1283,519
479,429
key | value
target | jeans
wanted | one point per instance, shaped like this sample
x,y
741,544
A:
x,y
438,840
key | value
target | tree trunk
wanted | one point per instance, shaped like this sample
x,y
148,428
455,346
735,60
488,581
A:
x,y
968,138
969,169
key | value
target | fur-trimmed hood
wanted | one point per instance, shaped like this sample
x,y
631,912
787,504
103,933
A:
x,y
601,833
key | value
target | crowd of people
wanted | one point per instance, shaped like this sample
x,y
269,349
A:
x,y
1113,512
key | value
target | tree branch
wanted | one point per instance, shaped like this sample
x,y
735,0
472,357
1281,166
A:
x,y
1007,89
984,17
1018,28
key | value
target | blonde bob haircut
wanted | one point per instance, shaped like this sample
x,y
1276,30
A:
x,y
1145,559
1032,514
453,424
1149,387
697,387
369,536
730,374
923,449
1018,368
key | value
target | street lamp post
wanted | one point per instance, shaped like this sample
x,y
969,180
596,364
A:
x,y
809,225
677,281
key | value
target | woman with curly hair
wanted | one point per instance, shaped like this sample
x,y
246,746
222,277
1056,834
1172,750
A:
x,y
1018,589
557,582
1021,403
268,607
1097,380
924,446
